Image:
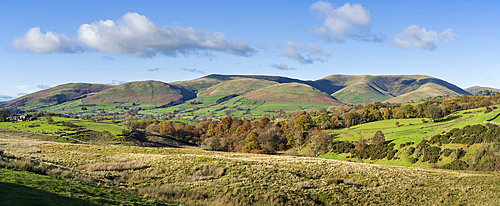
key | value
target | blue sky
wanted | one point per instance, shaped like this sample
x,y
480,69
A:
x,y
48,43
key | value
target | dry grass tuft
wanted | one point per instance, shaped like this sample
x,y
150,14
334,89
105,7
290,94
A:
x,y
114,166
204,172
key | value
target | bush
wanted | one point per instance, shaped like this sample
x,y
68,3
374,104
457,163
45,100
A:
x,y
456,165
413,160
409,151
447,152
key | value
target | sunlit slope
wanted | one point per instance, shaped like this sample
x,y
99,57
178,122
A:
x,y
142,91
237,86
57,94
292,92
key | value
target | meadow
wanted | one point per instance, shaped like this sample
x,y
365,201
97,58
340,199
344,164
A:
x,y
194,176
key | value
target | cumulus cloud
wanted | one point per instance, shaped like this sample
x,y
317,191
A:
x,y
193,70
282,66
43,86
135,35
154,69
414,36
348,21
36,41
305,53
4,98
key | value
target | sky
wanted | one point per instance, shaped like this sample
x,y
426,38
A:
x,y
48,43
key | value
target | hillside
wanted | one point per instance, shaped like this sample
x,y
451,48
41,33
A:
x,y
475,89
292,92
142,91
424,91
57,94
354,89
237,86
364,93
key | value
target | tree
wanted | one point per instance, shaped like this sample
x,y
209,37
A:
x,y
362,144
378,139
49,119
303,122
375,115
386,113
129,123
397,125
4,114
433,111
250,143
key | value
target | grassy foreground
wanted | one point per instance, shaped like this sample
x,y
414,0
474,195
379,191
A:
x,y
26,188
193,176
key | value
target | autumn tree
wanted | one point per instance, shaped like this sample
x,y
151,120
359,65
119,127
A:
x,y
433,111
361,144
303,122
378,139
250,143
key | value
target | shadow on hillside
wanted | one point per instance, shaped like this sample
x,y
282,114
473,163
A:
x,y
15,194
448,118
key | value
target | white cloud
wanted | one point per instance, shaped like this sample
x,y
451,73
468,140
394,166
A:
x,y
36,41
282,66
43,86
136,35
133,35
305,53
348,21
414,36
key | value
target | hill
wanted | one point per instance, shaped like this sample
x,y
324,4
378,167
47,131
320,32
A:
x,y
424,91
292,92
237,86
142,91
58,94
354,89
475,89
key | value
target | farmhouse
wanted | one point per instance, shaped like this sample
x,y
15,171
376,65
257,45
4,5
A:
x,y
20,117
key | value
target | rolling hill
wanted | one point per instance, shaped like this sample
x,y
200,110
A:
x,y
353,89
292,92
426,90
331,90
58,94
475,89
142,91
238,86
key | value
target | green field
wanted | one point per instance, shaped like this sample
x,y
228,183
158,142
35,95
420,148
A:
x,y
56,127
416,135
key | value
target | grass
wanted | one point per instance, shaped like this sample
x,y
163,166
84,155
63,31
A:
x,y
26,188
198,177
400,136
56,127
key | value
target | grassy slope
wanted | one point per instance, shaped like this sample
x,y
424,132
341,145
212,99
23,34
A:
x,y
47,128
268,179
366,89
25,188
426,90
59,93
237,86
360,93
292,92
475,89
367,131
143,91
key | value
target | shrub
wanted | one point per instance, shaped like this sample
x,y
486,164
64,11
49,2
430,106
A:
x,y
413,160
456,165
447,152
